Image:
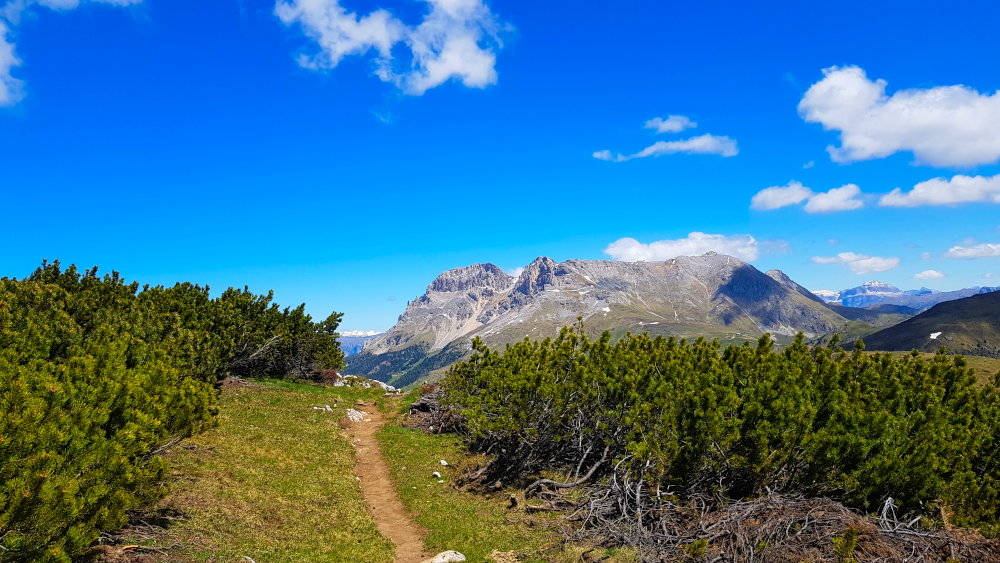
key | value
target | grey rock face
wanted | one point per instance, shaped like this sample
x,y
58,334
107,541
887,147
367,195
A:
x,y
712,295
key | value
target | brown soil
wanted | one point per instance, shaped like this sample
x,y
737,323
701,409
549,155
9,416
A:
x,y
390,515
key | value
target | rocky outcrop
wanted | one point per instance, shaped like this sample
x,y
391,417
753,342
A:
x,y
711,295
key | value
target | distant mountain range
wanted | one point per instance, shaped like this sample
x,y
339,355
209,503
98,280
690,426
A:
x,y
713,295
963,326
352,341
879,293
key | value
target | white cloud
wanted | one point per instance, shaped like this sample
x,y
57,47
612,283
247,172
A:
x,y
942,191
776,197
942,126
702,144
672,124
859,263
744,247
514,272
987,250
455,40
808,165
844,198
929,275
11,88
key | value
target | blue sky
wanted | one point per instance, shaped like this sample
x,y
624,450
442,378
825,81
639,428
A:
x,y
344,153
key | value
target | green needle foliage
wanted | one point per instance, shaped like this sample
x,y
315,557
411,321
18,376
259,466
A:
x,y
677,419
97,377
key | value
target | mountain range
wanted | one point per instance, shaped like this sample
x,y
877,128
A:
x,y
712,295
353,341
880,293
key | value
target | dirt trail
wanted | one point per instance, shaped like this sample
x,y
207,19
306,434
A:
x,y
380,494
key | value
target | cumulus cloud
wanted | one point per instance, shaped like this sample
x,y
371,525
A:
x,y
929,275
776,197
744,247
672,124
514,272
987,250
844,198
702,144
455,40
942,126
943,191
11,88
859,263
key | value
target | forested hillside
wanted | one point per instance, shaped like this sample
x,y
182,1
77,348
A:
x,y
98,376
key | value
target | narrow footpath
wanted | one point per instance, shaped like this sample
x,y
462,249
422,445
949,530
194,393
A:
x,y
390,515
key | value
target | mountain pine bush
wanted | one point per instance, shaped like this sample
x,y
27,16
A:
x,y
98,376
662,420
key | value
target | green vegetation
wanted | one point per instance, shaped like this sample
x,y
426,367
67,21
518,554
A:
x,y
467,522
97,378
274,482
650,422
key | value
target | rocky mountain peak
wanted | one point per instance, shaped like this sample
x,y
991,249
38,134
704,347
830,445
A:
x,y
476,276
538,274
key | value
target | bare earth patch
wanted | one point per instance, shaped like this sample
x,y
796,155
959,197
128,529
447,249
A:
x,y
390,515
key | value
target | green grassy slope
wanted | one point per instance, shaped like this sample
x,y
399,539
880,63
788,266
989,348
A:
x,y
968,326
274,482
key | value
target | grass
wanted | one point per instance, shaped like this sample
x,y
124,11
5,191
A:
x,y
273,482
471,523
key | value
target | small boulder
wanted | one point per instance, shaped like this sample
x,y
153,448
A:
x,y
436,475
447,557
443,462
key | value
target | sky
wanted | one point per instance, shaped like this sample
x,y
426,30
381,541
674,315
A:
x,y
344,152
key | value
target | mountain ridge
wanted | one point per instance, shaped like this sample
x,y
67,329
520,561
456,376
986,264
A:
x,y
710,295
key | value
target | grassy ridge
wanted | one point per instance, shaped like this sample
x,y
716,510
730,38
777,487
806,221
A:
x,y
274,482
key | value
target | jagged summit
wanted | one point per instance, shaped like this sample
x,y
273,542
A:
x,y
712,295
476,275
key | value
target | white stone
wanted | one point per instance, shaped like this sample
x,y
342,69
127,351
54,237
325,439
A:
x,y
448,557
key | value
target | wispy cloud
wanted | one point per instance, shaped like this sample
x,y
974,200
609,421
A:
x,y
744,247
859,263
942,126
12,88
986,250
672,124
928,275
943,191
455,40
702,144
